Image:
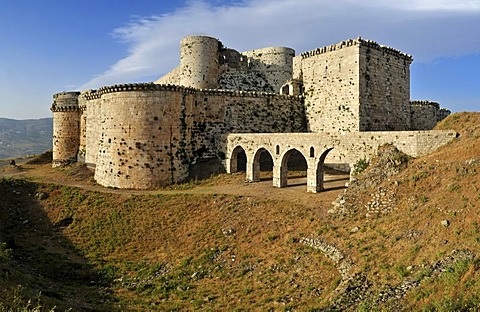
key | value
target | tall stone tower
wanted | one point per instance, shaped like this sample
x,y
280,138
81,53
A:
x,y
199,62
66,128
275,63
355,85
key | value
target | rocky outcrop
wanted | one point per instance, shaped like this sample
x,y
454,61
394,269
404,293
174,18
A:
x,y
381,199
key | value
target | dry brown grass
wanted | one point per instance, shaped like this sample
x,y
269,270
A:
x,y
223,244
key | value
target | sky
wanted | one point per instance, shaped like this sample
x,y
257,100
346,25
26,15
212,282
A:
x,y
50,46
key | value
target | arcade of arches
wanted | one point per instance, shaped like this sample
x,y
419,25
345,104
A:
x,y
254,152
293,159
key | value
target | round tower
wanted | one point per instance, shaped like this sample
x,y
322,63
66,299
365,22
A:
x,y
66,128
199,62
276,63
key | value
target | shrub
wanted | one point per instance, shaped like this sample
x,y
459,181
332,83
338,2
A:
x,y
360,166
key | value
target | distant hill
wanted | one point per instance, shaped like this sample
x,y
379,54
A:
x,y
25,137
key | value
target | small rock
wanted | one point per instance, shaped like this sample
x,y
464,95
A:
x,y
228,232
64,222
445,223
41,195
355,229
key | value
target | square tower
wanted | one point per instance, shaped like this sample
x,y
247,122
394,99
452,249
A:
x,y
355,85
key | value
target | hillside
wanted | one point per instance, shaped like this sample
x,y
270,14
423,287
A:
x,y
24,137
404,236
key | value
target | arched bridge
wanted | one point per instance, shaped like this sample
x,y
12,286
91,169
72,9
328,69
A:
x,y
319,149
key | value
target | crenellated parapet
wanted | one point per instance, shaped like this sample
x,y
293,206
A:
x,y
145,135
425,104
65,101
148,87
426,114
358,42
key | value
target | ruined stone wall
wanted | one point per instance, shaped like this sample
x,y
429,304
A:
x,y
275,63
331,87
66,128
384,88
199,66
143,136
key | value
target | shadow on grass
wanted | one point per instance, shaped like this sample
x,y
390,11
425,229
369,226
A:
x,y
37,256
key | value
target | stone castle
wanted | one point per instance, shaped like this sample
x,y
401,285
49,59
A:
x,y
332,105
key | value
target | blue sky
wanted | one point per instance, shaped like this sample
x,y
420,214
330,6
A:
x,y
49,46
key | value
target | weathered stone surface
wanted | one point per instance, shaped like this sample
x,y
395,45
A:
x,y
350,95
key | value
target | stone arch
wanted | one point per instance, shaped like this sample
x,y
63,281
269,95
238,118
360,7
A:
x,y
238,159
261,155
284,164
318,184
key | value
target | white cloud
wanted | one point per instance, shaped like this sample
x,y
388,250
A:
x,y
425,28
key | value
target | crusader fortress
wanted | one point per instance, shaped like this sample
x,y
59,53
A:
x,y
328,107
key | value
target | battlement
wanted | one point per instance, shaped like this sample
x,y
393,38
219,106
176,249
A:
x,y
150,86
144,135
65,101
358,42
425,104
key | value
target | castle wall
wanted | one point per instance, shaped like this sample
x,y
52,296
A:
x,y
384,88
83,135
275,63
139,141
92,103
331,87
66,128
146,135
199,62
142,136
244,80
426,114
172,78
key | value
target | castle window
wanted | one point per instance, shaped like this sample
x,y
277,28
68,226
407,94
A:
x,y
312,151
277,150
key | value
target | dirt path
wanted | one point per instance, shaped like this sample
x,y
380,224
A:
x,y
223,184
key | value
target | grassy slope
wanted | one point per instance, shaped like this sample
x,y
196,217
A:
x,y
194,251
